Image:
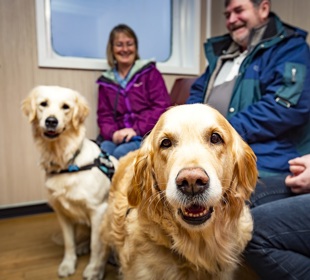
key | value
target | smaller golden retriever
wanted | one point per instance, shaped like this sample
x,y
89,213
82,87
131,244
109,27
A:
x,y
177,206
77,172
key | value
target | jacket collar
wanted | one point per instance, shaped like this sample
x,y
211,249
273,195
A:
x,y
138,66
219,45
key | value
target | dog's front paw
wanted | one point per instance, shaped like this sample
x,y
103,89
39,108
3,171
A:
x,y
93,273
66,268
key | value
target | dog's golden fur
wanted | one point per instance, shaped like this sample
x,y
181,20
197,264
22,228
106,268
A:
x,y
57,117
177,206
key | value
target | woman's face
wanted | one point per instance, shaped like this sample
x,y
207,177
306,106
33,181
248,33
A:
x,y
124,49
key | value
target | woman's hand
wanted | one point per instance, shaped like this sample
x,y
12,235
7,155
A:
x,y
299,181
123,135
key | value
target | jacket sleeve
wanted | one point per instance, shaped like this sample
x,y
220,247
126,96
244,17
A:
x,y
197,90
285,103
159,100
105,120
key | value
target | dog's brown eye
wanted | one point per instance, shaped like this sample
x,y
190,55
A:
x,y
43,104
216,138
165,143
65,107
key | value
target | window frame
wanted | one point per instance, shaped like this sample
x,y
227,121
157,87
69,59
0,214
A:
x,y
185,43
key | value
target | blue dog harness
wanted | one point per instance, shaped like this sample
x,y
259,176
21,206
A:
x,y
103,162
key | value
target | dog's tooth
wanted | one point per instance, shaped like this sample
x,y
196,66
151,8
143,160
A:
x,y
195,215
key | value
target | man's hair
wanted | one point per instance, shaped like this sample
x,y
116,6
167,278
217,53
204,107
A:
x,y
121,28
255,2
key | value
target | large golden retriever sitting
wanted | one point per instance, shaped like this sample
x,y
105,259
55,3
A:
x,y
77,172
177,206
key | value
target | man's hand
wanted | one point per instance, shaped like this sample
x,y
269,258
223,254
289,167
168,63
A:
x,y
299,181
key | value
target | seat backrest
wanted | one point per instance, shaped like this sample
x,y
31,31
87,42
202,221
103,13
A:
x,y
180,90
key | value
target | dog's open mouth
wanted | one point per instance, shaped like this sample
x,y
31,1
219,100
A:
x,y
51,134
196,214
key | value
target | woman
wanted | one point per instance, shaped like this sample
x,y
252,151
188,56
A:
x,y
132,94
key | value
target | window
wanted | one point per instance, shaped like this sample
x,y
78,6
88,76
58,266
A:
x,y
74,33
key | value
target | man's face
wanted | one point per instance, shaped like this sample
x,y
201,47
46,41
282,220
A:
x,y
242,16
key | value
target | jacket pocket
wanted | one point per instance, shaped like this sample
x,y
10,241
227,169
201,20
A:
x,y
293,82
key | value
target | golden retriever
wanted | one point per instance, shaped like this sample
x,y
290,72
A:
x,y
177,206
57,116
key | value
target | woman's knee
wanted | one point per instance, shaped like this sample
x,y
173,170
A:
x,y
124,149
108,146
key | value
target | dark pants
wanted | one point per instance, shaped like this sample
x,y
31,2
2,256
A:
x,y
280,247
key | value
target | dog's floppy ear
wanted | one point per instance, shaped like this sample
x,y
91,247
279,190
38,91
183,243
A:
x,y
142,181
29,105
81,110
246,170
245,175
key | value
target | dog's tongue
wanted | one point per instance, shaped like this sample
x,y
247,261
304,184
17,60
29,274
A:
x,y
195,209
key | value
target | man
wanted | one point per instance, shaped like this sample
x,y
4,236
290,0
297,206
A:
x,y
280,247
259,78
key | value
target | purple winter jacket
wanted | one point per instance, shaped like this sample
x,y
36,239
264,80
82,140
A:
x,y
137,106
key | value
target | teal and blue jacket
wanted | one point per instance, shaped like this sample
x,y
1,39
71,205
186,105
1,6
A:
x,y
270,104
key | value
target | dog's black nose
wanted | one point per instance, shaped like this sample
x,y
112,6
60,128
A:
x,y
192,181
51,122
